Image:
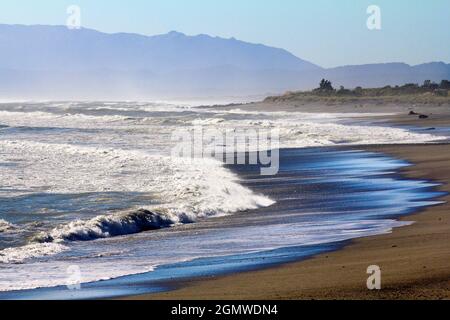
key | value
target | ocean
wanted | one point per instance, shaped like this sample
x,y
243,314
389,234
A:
x,y
91,191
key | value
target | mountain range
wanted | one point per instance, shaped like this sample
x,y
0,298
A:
x,y
53,62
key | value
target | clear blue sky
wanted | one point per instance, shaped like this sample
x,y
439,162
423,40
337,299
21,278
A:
x,y
326,32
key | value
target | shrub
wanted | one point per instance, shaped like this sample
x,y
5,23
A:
x,y
441,92
445,84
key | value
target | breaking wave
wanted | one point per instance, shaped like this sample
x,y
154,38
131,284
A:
x,y
107,226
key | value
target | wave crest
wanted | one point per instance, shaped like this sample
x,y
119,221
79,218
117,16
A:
x,y
107,226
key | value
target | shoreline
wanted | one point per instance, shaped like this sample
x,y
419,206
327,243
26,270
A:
x,y
244,284
415,260
311,181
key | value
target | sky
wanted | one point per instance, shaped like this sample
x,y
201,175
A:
x,y
326,32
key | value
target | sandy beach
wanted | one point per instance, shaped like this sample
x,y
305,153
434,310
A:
x,y
415,260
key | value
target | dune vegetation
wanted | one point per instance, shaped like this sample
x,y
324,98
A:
x,y
428,92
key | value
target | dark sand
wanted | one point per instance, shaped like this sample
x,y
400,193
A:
x,y
415,260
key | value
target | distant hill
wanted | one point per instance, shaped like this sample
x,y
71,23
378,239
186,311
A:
x,y
54,62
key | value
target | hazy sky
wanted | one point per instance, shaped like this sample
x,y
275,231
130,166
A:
x,y
326,32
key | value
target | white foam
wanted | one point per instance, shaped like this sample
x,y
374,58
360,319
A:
x,y
310,130
298,129
229,241
30,276
197,187
5,226
35,250
46,119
